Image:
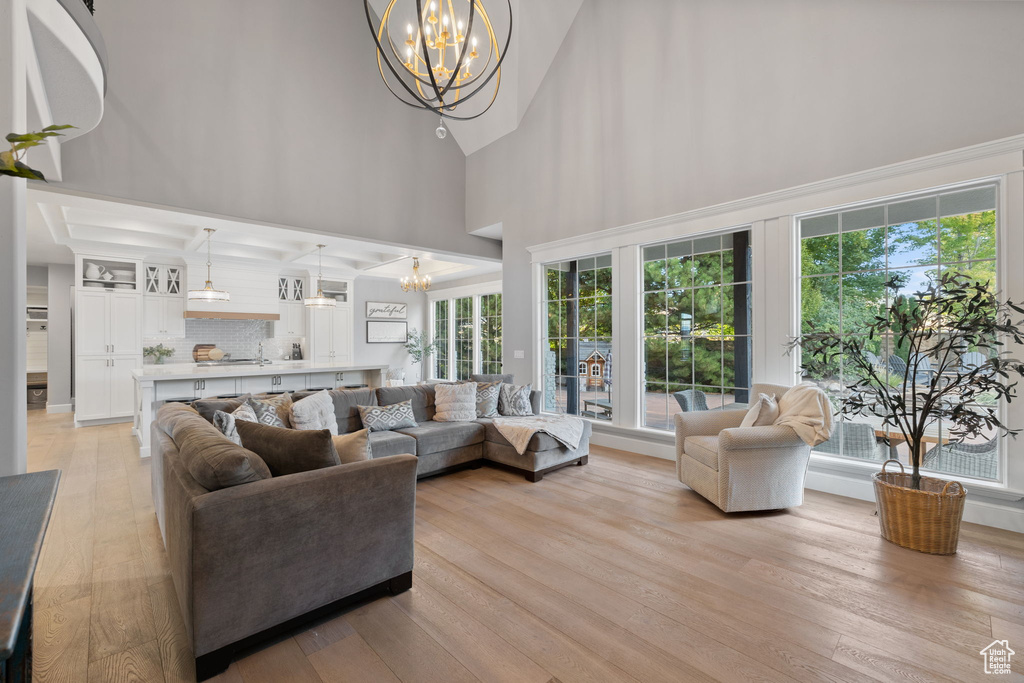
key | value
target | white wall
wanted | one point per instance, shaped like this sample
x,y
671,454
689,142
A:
x,y
699,102
272,111
60,279
395,355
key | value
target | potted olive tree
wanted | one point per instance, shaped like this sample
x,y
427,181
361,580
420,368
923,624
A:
x,y
947,390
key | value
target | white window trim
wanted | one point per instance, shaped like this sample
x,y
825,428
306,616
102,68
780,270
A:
x,y
476,291
775,265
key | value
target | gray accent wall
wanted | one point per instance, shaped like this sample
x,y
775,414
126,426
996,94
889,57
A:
x,y
699,102
394,355
60,280
269,111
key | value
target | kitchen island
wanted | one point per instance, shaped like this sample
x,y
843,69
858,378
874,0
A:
x,y
157,384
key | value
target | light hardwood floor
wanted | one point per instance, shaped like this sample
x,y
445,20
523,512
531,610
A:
x,y
609,572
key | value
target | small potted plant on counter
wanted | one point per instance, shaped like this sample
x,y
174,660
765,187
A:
x,y
158,352
943,382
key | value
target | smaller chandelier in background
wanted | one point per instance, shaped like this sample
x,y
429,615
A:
x,y
416,283
439,54
208,293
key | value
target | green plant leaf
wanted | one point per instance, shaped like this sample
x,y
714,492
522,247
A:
x,y
25,145
23,137
58,127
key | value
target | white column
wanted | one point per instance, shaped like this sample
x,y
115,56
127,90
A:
x,y
13,49
627,334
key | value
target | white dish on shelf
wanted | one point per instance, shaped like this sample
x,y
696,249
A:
x,y
93,283
124,285
123,275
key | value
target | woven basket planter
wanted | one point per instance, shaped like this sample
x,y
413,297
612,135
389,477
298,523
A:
x,y
927,520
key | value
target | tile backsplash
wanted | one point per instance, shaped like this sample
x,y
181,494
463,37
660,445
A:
x,y
240,338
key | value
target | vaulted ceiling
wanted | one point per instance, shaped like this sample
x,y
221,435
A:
x,y
539,26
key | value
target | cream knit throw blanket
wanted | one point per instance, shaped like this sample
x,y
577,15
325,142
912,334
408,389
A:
x,y
566,429
806,409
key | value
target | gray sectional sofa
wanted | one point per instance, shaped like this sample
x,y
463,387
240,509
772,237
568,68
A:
x,y
443,446
257,559
263,555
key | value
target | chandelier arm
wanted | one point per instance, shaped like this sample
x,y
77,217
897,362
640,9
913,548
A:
x,y
380,56
462,52
497,68
426,52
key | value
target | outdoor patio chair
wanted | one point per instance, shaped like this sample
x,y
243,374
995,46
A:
x,y
691,400
857,440
966,459
896,365
972,360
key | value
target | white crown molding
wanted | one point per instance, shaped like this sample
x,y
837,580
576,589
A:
x,y
1006,153
493,287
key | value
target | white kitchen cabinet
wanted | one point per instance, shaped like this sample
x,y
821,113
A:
x,y
122,385
291,288
106,273
268,383
107,322
217,386
255,385
325,380
92,388
331,335
164,280
105,387
108,346
292,322
163,316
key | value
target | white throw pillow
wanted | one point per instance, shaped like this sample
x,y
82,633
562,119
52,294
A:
x,y
763,412
315,412
455,402
514,400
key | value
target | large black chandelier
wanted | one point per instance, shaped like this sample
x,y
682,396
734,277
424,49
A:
x,y
438,54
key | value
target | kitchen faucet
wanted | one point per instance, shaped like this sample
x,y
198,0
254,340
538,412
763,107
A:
x,y
261,354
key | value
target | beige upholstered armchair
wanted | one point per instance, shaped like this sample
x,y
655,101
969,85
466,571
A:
x,y
757,468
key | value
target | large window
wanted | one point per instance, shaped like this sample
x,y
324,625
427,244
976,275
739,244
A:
x,y
846,259
696,326
577,363
468,332
490,334
464,328
442,354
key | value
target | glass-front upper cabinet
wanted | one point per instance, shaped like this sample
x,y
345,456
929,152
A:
x,y
108,272
291,288
164,279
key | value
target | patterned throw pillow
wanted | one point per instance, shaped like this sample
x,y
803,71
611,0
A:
x,y
385,418
455,402
266,413
487,394
283,404
225,422
315,412
514,400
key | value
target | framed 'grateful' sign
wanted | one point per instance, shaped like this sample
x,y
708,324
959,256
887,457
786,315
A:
x,y
383,310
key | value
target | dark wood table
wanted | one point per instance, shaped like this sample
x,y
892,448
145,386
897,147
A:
x,y
26,501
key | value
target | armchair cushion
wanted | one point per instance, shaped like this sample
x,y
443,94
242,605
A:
x,y
703,449
706,422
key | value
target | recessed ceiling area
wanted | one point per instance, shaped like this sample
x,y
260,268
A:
x,y
59,224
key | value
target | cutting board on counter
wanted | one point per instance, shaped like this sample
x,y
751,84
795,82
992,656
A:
x,y
203,352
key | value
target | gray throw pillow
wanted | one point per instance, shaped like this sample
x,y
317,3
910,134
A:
x,y
225,422
215,462
288,451
266,413
208,406
514,400
487,394
386,418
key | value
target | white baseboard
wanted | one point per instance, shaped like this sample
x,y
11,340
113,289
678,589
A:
x,y
59,407
985,512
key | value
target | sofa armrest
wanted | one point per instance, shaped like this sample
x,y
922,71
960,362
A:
x,y
536,401
706,422
759,438
272,550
